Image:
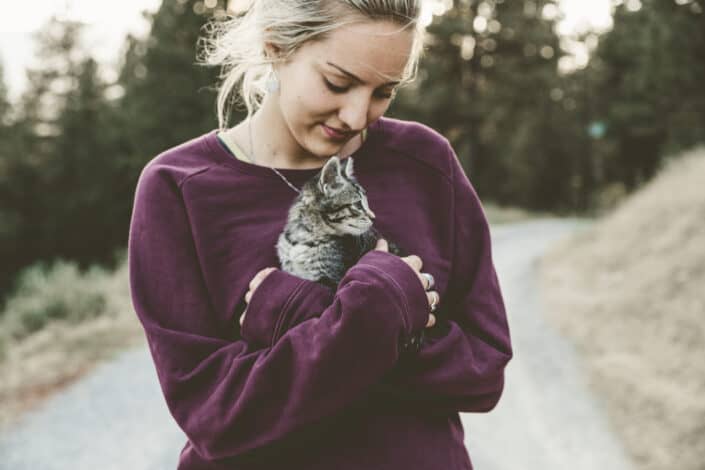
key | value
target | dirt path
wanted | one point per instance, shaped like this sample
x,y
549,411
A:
x,y
546,419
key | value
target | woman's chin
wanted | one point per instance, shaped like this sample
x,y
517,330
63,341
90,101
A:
x,y
325,150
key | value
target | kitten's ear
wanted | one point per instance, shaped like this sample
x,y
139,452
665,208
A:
x,y
349,167
329,174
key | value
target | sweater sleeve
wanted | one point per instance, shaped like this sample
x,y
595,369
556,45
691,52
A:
x,y
460,366
283,300
232,400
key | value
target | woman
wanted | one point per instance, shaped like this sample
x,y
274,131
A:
x,y
309,377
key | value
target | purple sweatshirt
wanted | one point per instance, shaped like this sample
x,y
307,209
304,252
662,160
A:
x,y
317,378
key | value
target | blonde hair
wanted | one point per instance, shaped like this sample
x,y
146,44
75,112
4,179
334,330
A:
x,y
236,44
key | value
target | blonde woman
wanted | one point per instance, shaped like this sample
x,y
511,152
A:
x,y
312,378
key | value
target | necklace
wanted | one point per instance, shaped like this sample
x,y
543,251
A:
x,y
252,159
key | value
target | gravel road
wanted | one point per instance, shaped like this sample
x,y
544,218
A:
x,y
546,419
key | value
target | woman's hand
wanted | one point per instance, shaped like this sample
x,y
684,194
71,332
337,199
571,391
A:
x,y
412,260
416,263
256,281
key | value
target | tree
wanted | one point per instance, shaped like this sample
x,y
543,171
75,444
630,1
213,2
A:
x,y
57,171
168,99
29,151
79,220
486,83
5,108
650,75
10,152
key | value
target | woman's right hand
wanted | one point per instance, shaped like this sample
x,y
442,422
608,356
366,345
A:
x,y
416,264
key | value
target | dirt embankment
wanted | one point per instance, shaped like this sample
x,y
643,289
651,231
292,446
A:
x,y
629,292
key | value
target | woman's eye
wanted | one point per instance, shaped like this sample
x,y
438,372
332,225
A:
x,y
342,89
334,88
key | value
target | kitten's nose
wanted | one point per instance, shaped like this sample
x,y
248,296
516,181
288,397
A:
x,y
370,214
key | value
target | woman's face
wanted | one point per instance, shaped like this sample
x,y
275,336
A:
x,y
341,83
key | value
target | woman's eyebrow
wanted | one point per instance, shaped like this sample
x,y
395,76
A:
x,y
355,77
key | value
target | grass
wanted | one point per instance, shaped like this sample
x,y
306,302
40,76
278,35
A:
x,y
59,324
628,292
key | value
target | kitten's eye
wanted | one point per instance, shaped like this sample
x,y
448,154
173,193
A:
x,y
356,205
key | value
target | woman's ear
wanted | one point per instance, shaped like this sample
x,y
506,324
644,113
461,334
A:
x,y
271,51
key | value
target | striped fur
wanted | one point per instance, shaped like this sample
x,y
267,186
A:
x,y
329,226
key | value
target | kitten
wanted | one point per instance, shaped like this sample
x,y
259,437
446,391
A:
x,y
329,228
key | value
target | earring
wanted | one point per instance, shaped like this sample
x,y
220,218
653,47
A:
x,y
272,84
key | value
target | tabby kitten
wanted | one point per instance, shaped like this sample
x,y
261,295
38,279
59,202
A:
x,y
329,228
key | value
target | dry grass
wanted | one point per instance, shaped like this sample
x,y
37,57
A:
x,y
629,292
50,359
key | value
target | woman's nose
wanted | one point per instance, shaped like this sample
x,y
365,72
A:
x,y
354,112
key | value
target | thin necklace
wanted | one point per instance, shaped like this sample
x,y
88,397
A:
x,y
252,157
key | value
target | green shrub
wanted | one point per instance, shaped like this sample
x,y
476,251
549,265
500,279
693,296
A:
x,y
56,292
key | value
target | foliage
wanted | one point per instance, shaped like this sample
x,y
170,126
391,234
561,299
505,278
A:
x,y
488,82
56,292
72,147
75,144
648,74
168,99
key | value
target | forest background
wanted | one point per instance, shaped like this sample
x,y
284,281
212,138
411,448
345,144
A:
x,y
531,133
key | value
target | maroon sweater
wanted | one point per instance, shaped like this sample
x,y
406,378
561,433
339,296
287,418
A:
x,y
317,378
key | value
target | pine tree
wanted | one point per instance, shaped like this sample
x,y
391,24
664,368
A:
x,y
81,224
5,106
30,152
168,99
59,172
485,82
10,155
650,74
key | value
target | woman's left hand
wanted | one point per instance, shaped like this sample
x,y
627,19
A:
x,y
416,263
256,281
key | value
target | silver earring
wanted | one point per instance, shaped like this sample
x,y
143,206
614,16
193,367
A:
x,y
272,84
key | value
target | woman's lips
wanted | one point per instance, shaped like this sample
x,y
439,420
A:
x,y
335,134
